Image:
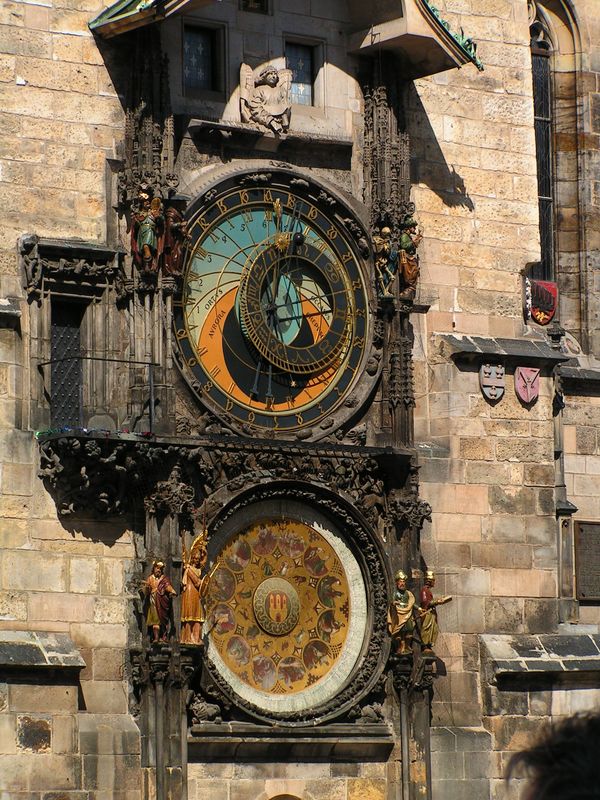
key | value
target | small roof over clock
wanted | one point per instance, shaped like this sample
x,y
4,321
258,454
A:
x,y
414,29
125,15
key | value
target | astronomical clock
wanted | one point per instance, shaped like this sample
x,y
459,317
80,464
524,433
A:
x,y
274,329
289,608
274,323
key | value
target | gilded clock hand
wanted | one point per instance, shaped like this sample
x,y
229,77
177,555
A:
x,y
278,244
285,241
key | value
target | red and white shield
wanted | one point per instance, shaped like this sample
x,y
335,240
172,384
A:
x,y
527,384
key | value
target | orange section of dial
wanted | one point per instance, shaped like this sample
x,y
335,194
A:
x,y
210,353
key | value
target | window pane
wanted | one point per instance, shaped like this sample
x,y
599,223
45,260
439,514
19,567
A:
x,y
198,59
544,163
65,376
546,237
258,6
542,105
540,65
299,58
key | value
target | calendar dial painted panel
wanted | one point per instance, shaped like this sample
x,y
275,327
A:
x,y
286,614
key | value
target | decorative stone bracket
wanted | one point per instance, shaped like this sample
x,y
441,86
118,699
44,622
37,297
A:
x,y
111,474
64,260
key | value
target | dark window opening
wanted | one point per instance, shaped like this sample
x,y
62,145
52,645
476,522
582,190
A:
x,y
66,370
300,59
202,51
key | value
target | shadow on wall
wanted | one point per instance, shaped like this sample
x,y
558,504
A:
x,y
428,163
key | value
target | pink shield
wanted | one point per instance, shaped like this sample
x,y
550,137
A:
x,y
527,384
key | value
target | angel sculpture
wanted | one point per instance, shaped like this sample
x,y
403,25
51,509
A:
x,y
265,98
194,586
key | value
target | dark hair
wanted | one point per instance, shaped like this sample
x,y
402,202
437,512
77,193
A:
x,y
564,763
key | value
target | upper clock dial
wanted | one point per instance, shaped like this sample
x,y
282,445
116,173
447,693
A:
x,y
273,317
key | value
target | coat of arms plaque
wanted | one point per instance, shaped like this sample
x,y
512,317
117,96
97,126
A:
x,y
492,381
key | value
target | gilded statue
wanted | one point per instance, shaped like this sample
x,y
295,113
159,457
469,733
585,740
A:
x,y
428,612
159,594
265,98
401,623
194,587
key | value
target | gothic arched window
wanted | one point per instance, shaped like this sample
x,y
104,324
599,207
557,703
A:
x,y
541,52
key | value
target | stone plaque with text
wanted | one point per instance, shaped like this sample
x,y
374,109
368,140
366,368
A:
x,y
587,560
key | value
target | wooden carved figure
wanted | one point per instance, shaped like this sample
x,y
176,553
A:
x,y
147,230
386,261
409,260
159,593
429,623
176,234
401,624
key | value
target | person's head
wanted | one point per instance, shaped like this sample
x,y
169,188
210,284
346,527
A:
x,y
198,557
401,580
386,232
145,195
158,568
430,578
564,763
270,76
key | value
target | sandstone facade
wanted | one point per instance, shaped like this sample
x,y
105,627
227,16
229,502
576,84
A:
x,y
508,482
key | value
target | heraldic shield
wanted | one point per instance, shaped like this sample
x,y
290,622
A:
x,y
492,381
527,384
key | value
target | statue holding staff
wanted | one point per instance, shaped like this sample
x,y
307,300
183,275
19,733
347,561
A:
x,y
194,587
159,593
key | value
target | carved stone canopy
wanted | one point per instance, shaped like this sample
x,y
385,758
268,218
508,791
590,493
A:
x,y
113,474
65,260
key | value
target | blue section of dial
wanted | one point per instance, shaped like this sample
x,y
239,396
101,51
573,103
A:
x,y
286,319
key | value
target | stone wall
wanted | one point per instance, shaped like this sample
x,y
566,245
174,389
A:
x,y
238,781
488,470
60,121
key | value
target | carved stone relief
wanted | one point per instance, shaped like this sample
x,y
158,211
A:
x,y
265,97
105,475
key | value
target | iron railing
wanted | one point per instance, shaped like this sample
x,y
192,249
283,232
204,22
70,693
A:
x,y
149,364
